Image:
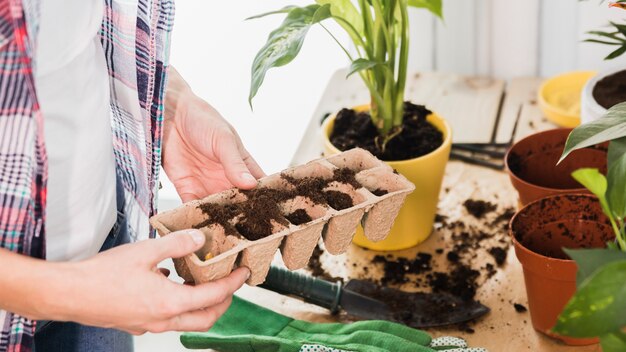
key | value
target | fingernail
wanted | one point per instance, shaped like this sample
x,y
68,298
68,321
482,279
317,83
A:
x,y
248,178
197,236
248,273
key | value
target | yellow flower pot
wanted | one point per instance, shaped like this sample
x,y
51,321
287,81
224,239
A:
x,y
416,218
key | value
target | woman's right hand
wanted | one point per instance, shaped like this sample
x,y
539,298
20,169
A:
x,y
122,288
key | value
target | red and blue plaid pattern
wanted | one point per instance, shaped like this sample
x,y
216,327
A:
x,y
135,36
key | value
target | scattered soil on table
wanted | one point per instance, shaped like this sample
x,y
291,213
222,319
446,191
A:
x,y
299,217
395,270
316,268
611,90
499,254
520,308
416,138
380,192
257,216
478,208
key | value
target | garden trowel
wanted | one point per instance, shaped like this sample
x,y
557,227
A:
x,y
367,300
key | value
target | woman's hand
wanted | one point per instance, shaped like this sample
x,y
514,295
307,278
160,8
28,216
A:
x,y
120,288
202,153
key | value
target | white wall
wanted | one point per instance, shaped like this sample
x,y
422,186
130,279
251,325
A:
x,y
213,48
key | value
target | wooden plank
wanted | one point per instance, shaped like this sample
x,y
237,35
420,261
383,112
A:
x,y
470,104
521,93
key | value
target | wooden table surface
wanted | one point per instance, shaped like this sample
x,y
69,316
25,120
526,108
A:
x,y
479,110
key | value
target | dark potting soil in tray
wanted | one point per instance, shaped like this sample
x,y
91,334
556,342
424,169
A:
x,y
611,90
299,217
418,137
258,214
379,192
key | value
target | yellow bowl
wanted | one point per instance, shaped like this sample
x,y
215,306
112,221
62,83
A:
x,y
560,97
415,220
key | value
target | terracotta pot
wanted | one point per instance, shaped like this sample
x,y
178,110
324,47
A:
x,y
539,232
531,164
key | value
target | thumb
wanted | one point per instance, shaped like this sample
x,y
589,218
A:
x,y
235,168
174,245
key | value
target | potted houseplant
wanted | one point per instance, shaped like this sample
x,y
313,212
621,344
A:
x,y
597,309
609,87
412,139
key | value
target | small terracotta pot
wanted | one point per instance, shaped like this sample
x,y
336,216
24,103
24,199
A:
x,y
539,232
532,165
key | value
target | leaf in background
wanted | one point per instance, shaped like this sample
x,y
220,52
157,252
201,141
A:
x,y
344,9
285,9
590,260
620,27
610,126
621,50
616,192
285,42
360,65
598,306
433,6
615,342
596,183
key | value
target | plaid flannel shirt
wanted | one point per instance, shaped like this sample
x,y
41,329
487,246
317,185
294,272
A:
x,y
135,36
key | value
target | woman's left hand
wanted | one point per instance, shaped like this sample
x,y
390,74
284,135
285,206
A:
x,y
202,153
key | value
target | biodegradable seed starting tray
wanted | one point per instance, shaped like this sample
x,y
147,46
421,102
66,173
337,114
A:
x,y
325,198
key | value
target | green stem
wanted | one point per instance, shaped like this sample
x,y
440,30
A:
x,y
402,64
338,43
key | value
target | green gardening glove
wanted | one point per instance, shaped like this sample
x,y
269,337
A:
x,y
246,327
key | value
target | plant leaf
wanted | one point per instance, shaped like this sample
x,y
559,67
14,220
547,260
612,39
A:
x,y
593,180
596,183
598,306
285,9
360,65
616,192
620,27
590,260
285,42
346,11
611,126
615,342
601,42
434,6
621,50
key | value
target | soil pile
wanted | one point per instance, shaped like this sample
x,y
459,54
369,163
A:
x,y
611,90
416,137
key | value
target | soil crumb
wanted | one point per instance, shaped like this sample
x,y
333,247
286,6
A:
x,y
520,308
478,208
499,254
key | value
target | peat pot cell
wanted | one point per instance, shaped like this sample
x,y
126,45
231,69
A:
x,y
274,182
194,214
340,196
312,169
301,210
355,160
259,227
216,243
380,182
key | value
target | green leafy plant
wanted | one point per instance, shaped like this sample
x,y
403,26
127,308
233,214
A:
x,y
379,30
599,305
616,36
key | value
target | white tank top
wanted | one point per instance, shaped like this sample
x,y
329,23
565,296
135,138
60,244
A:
x,y
72,85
